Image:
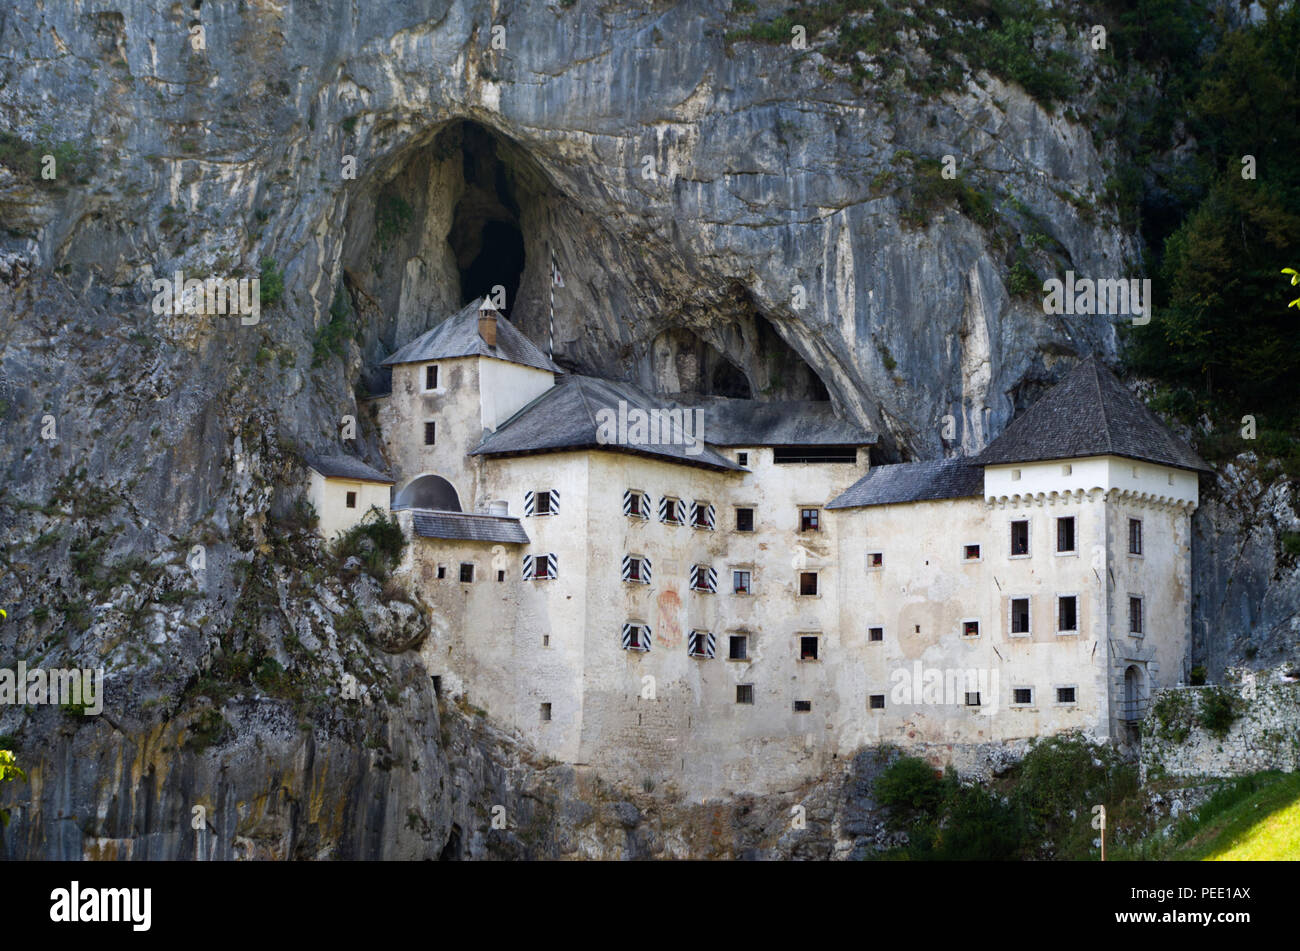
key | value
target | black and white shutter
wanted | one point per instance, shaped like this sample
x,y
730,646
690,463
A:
x,y
552,566
555,501
644,577
636,637
663,508
710,517
704,578
529,567
703,644
530,504
628,499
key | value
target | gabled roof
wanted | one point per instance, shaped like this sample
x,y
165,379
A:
x,y
565,418
913,482
467,527
458,336
1089,413
340,466
734,422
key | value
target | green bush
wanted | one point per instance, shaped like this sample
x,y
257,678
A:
x,y
1219,711
377,540
910,790
271,283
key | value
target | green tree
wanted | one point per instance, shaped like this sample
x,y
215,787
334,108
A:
x,y
9,770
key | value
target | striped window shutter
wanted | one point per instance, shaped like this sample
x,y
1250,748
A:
x,y
703,644
695,511
555,501
627,636
627,506
663,509
681,511
711,579
636,637
529,567
552,566
530,503
627,567
710,515
645,570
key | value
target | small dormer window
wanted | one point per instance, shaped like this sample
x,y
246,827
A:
x,y
431,377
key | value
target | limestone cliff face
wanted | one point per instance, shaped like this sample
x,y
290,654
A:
x,y
726,217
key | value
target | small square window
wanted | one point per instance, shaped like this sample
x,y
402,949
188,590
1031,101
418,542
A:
x,y
970,628
876,701
742,458
466,572
1135,536
1067,614
1022,696
744,520
744,693
807,582
803,706
1065,695
1135,615
546,712
971,553
809,520
702,515
1020,538
638,506
741,582
738,647
1015,475
430,433
672,511
875,633
442,572
542,502
972,698
431,378
1065,534
808,647
1019,615
700,644
501,575
875,559
351,501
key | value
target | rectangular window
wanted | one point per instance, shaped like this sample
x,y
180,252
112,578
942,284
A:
x,y
1022,696
740,582
744,693
970,628
1019,615
876,701
807,582
701,644
501,575
351,501
738,647
1067,614
1020,538
809,520
744,520
972,698
808,647
636,568
702,515
636,504
466,572
544,567
803,706
442,572
1135,615
431,378
430,432
1065,534
546,712
1065,695
790,454
971,553
704,578
742,458
542,503
875,633
670,510
875,559
1135,536
636,637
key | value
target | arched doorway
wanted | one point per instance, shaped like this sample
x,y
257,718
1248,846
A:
x,y
429,492
1134,694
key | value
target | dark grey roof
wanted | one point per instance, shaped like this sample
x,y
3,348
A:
x,y
913,482
476,528
339,466
565,417
732,422
458,336
1089,413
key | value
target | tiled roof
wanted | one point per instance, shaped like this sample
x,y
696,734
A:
x,y
565,417
732,422
339,466
1089,413
463,526
458,336
913,482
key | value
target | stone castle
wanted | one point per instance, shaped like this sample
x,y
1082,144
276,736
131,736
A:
x,y
727,596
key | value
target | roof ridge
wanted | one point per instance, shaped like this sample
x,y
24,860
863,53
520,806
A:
x,y
1101,401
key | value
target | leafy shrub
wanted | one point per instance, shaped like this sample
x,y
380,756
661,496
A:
x,y
1219,711
271,283
377,540
910,790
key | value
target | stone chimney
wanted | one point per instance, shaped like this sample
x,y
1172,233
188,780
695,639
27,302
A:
x,y
487,323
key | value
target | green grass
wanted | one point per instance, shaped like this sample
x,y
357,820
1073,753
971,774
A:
x,y
1252,818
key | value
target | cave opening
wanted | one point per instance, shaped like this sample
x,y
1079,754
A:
x,y
485,234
